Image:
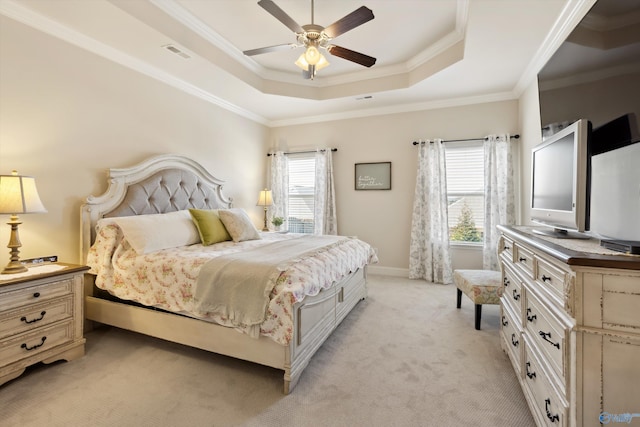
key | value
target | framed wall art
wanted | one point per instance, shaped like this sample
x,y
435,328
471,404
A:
x,y
373,176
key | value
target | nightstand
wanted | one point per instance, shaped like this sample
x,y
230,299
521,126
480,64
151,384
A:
x,y
41,317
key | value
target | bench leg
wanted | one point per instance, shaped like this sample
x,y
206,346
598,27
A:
x,y
459,301
478,315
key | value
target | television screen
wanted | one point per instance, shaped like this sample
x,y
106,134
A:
x,y
553,175
559,182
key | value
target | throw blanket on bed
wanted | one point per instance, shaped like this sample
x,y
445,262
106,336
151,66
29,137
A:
x,y
237,286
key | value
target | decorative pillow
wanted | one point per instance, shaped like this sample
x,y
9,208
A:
x,y
150,233
209,226
238,224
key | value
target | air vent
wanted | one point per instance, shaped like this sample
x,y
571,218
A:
x,y
364,97
173,49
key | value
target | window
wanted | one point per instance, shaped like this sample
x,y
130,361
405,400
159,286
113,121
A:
x,y
465,191
302,174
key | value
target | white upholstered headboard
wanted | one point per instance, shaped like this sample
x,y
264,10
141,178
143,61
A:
x,y
161,184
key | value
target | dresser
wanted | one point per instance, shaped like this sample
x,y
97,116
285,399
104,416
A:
x,y
570,324
41,317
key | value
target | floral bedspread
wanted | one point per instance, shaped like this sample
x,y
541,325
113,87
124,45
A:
x,y
167,278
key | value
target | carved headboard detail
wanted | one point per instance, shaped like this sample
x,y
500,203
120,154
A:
x,y
161,184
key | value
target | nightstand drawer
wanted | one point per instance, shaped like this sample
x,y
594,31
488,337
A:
x,y
35,294
38,341
34,316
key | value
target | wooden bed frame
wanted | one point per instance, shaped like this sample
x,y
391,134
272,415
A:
x,y
168,183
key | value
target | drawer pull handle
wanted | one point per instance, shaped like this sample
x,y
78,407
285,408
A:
x,y
507,248
505,322
531,318
553,418
522,259
546,278
36,295
516,295
26,347
24,319
531,375
506,281
546,336
514,341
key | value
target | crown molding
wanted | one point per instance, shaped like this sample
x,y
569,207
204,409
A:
x,y
398,109
569,18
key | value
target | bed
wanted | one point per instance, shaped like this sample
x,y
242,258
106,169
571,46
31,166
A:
x,y
151,274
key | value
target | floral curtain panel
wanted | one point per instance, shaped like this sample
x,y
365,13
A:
x,y
429,256
325,218
279,186
499,195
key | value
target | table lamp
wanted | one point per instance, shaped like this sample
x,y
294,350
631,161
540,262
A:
x,y
18,195
264,199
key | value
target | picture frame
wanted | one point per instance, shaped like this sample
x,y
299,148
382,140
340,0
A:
x,y
373,176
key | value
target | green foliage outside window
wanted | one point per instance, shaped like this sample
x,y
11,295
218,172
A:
x,y
465,230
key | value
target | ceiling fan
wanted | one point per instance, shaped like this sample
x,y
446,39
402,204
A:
x,y
312,37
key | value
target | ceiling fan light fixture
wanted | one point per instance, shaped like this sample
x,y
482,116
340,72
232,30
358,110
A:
x,y
312,55
303,64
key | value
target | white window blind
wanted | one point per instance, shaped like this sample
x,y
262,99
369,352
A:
x,y
465,191
302,170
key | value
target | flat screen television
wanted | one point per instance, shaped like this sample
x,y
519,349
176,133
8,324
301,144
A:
x,y
559,182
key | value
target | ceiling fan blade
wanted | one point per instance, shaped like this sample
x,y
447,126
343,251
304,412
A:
x,y
280,15
268,49
349,22
351,55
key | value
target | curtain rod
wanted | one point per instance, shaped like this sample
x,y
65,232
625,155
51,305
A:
x,y
302,152
516,136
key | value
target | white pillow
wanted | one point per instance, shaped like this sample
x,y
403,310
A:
x,y
150,233
238,224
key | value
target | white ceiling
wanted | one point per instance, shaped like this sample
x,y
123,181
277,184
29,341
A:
x,y
430,53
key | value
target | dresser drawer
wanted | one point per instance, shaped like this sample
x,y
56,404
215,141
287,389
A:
x,y
547,333
551,279
27,318
523,258
35,342
513,290
507,247
512,336
34,294
550,404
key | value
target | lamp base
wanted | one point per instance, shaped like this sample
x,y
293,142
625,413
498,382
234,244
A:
x,y
265,228
14,265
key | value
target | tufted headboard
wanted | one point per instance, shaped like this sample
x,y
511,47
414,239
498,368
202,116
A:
x,y
161,184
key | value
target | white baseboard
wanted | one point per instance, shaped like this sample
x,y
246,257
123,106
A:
x,y
388,271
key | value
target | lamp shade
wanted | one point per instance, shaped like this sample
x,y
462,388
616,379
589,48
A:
x,y
18,195
265,199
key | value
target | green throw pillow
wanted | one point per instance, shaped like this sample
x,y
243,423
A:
x,y
209,226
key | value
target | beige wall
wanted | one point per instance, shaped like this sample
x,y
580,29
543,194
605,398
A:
x,y
383,218
67,115
531,135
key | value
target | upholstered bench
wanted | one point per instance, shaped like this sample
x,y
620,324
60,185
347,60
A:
x,y
481,286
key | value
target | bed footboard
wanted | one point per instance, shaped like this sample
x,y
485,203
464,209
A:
x,y
315,318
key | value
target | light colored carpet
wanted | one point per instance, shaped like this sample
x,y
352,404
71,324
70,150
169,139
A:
x,y
404,357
